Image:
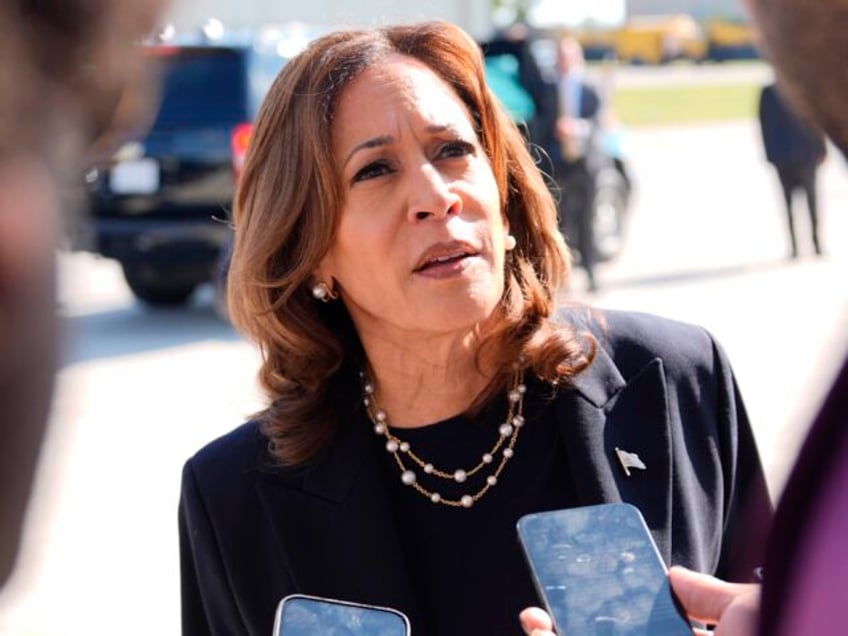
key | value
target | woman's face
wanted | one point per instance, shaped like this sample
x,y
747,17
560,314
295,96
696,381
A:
x,y
419,249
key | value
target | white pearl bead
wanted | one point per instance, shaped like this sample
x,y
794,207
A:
x,y
380,416
522,388
514,396
487,458
428,468
518,421
435,497
366,401
404,447
368,388
319,291
408,477
505,430
392,446
380,429
508,453
460,476
466,501
491,480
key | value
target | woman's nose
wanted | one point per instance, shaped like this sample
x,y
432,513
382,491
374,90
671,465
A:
x,y
430,195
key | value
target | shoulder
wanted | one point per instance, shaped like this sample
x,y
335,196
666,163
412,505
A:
x,y
633,340
240,454
649,334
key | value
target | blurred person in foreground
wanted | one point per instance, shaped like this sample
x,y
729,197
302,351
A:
x,y
795,149
576,155
806,567
65,77
398,262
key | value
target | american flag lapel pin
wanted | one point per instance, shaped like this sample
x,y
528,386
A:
x,y
629,460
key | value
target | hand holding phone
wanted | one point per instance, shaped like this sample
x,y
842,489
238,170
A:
x,y
303,615
598,571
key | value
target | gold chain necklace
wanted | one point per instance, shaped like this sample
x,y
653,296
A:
x,y
505,444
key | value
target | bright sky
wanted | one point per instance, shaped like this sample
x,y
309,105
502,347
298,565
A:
x,y
573,12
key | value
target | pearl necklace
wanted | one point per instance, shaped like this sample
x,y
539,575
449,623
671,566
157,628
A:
x,y
505,444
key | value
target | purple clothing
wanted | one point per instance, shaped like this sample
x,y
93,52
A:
x,y
820,589
806,566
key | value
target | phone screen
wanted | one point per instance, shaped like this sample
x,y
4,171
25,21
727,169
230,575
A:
x,y
598,572
302,615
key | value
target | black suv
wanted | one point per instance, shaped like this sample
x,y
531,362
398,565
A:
x,y
160,205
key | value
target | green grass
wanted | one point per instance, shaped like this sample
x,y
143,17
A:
x,y
658,105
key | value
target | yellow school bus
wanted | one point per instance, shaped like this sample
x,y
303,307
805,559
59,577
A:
x,y
731,40
659,39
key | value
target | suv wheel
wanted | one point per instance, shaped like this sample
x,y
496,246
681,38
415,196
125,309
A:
x,y
156,285
610,205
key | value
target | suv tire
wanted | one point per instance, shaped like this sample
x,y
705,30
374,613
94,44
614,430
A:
x,y
610,209
156,285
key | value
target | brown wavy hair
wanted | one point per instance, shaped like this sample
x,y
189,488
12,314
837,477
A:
x,y
287,209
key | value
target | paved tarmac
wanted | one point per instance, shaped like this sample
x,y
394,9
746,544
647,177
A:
x,y
141,390
710,73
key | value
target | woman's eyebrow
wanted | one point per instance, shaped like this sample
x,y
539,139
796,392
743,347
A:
x,y
384,140
374,142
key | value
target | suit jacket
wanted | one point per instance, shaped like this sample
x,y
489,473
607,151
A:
x,y
252,532
589,109
788,140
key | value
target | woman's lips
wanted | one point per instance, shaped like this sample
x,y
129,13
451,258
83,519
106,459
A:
x,y
444,267
444,256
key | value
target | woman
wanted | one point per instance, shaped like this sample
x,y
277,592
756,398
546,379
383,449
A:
x,y
397,260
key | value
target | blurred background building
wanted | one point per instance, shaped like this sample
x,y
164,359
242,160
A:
x,y
473,15
699,9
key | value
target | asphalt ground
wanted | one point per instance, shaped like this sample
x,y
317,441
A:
x,y
684,72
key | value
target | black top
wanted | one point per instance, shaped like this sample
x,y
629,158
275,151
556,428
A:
x,y
449,551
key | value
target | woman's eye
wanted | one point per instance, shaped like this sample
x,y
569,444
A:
x,y
457,149
371,171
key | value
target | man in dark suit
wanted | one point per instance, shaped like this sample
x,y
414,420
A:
x,y
575,155
796,149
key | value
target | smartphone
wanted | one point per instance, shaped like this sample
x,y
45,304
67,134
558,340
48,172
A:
x,y
597,571
303,615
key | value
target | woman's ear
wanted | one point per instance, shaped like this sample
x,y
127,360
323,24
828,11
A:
x,y
323,283
324,271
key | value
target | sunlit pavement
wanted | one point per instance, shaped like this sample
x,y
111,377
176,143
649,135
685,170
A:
x,y
141,390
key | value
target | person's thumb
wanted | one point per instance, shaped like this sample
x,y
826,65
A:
x,y
536,622
705,598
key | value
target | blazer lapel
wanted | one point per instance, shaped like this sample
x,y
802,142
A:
x,y
336,529
604,412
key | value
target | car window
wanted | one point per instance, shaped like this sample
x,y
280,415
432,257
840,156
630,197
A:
x,y
502,74
201,87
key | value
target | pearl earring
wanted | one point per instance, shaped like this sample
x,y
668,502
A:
x,y
510,242
321,291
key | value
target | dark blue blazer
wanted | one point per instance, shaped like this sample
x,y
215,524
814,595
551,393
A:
x,y
590,102
252,532
787,139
